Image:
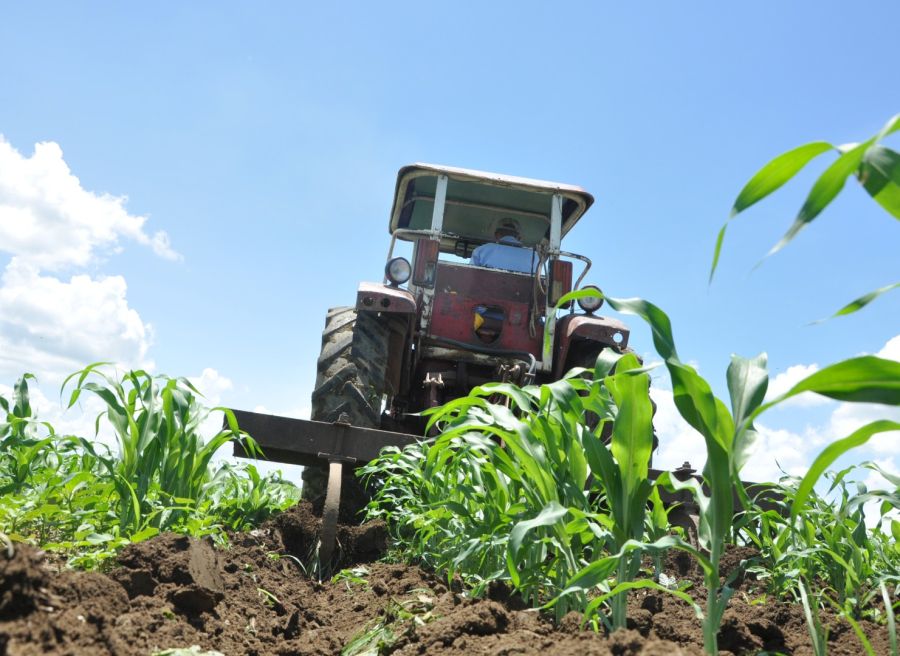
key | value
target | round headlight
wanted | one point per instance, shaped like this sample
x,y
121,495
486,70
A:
x,y
398,270
590,303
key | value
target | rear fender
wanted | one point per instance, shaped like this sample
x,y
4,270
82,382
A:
x,y
602,330
377,297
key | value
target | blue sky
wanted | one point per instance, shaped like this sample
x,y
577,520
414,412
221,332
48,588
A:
x,y
264,141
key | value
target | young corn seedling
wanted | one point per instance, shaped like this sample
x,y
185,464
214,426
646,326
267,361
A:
x,y
77,497
506,490
156,422
729,435
622,469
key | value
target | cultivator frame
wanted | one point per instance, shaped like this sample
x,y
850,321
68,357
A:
x,y
310,443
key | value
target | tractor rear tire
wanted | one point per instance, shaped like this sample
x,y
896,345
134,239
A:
x,y
350,381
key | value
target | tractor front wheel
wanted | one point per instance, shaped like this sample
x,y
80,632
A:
x,y
350,381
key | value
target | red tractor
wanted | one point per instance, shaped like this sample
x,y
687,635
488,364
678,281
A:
x,y
439,324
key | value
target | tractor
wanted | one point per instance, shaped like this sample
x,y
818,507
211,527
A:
x,y
437,325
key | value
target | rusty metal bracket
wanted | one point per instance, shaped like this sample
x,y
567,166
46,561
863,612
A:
x,y
336,461
433,384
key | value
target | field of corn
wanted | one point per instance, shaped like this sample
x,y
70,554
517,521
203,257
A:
x,y
517,529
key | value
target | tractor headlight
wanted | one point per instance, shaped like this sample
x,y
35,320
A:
x,y
398,270
590,303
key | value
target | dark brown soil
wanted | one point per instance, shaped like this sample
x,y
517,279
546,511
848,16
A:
x,y
254,598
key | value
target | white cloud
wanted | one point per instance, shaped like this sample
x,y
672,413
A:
x,y
49,325
678,442
52,327
891,350
779,450
48,220
790,377
211,384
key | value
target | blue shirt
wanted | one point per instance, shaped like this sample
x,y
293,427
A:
x,y
502,256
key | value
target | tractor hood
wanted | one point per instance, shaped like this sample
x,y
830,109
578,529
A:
x,y
477,201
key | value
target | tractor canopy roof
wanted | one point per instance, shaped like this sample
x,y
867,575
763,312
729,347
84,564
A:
x,y
477,201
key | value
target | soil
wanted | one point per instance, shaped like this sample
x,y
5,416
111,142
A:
x,y
254,598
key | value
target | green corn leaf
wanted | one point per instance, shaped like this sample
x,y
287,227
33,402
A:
x,y
606,361
767,180
601,569
549,515
879,174
831,453
642,585
895,529
748,381
776,173
145,534
632,442
865,379
861,302
825,189
890,127
693,486
519,397
891,621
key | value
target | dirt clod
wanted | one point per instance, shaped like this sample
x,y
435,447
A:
x,y
22,582
172,591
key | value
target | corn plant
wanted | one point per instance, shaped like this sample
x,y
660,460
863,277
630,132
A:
x,y
74,495
240,498
622,470
520,487
830,544
876,167
156,422
729,435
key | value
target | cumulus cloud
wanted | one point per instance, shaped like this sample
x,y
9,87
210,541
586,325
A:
x,y
784,381
678,442
212,385
48,220
51,324
778,450
51,327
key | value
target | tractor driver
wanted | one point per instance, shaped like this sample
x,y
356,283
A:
x,y
506,253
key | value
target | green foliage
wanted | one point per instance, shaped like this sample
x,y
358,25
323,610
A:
x,y
876,167
829,545
518,487
78,496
